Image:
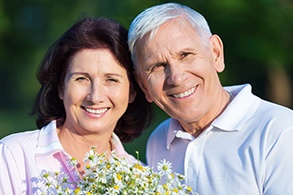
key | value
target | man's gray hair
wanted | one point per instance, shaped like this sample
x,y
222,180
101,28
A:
x,y
148,21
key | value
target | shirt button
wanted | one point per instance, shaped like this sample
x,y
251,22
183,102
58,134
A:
x,y
190,164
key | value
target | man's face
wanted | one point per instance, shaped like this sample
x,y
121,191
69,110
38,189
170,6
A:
x,y
179,72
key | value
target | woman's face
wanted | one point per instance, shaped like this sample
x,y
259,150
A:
x,y
96,92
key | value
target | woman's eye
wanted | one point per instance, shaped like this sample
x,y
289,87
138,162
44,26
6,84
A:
x,y
81,78
112,80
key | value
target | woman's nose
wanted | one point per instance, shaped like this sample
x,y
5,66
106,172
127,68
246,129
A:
x,y
95,94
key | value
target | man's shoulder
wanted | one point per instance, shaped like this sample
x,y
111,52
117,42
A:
x,y
271,109
161,129
275,114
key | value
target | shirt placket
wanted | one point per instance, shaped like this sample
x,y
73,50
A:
x,y
193,158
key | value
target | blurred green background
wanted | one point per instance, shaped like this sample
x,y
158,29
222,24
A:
x,y
257,36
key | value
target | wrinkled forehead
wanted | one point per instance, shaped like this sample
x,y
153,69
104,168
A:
x,y
169,39
142,42
181,21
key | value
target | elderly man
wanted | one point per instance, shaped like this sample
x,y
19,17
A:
x,y
224,139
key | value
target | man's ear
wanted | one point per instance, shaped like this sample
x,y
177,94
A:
x,y
217,50
143,87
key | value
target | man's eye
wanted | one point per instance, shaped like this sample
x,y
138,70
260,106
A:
x,y
184,55
158,67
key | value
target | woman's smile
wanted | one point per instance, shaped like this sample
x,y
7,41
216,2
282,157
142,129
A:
x,y
96,111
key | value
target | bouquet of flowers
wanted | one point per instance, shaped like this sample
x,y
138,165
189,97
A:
x,y
115,176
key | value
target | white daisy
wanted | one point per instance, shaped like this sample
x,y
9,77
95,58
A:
x,y
114,175
164,167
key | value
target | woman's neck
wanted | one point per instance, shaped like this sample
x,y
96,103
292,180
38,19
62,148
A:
x,y
78,145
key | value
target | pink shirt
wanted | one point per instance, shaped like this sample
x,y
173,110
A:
x,y
25,155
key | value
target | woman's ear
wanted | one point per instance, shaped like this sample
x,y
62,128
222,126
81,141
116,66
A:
x,y
61,92
217,50
132,95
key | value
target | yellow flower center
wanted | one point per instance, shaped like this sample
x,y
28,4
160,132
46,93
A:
x,y
138,166
77,190
119,177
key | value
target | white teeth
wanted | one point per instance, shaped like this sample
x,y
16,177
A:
x,y
186,93
92,111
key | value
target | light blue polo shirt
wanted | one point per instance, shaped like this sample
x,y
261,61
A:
x,y
247,150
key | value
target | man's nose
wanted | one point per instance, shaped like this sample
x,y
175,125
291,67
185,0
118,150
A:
x,y
175,74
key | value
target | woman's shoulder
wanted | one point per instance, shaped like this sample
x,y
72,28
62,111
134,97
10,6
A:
x,y
20,140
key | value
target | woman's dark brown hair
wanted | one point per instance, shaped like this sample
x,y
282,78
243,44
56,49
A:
x,y
89,33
